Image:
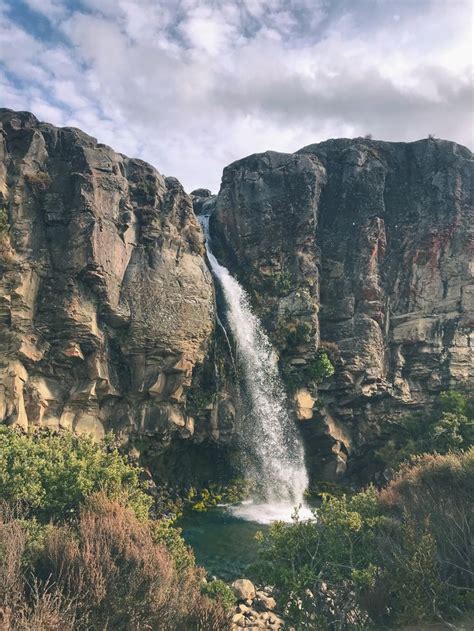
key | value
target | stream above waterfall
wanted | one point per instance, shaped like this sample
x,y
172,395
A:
x,y
271,449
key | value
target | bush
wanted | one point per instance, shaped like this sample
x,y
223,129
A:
x,y
316,371
4,225
104,571
380,559
319,567
164,532
203,499
221,592
451,428
414,590
279,283
51,474
12,549
321,368
437,490
100,562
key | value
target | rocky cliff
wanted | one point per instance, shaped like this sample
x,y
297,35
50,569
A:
x,y
361,249
106,303
365,250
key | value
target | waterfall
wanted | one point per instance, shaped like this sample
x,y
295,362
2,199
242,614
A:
x,y
271,447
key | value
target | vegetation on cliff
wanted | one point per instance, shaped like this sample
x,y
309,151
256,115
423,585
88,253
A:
x,y
4,226
450,427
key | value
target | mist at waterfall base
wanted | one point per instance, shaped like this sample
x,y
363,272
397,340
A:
x,y
271,448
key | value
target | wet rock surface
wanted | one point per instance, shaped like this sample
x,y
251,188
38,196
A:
x,y
363,249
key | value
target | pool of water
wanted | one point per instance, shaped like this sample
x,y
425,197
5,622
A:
x,y
223,539
223,544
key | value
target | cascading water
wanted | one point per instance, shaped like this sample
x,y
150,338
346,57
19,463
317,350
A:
x,y
272,450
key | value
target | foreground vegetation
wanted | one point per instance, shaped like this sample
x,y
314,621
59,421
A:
x,y
387,558
78,549
86,542
381,559
449,428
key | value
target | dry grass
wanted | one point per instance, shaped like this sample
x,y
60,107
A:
x,y
105,572
437,490
12,547
39,180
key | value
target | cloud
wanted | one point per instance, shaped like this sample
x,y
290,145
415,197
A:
x,y
52,9
191,85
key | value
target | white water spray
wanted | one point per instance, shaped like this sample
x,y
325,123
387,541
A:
x,y
272,449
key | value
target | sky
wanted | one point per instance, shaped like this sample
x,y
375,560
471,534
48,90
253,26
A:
x,y
192,85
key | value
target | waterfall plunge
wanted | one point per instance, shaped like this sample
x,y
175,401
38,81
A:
x,y
272,450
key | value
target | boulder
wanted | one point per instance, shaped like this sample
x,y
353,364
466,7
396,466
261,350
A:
x,y
244,589
264,602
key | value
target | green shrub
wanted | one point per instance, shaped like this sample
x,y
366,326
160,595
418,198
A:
x,y
51,474
200,399
450,432
451,428
321,368
412,576
456,402
336,552
202,499
320,489
166,533
279,283
219,591
284,282
380,559
315,371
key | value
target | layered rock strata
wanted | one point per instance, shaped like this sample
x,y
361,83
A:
x,y
106,303
363,249
358,248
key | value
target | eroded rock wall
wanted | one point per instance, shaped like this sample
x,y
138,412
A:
x,y
364,249
106,303
360,248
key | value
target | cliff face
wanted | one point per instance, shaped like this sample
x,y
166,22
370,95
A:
x,y
365,250
106,303
361,249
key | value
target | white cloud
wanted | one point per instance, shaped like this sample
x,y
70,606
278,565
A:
x,y
44,111
52,9
191,85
